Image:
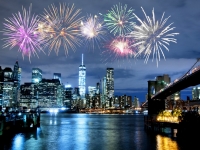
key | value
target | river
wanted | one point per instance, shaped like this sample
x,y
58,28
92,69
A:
x,y
91,132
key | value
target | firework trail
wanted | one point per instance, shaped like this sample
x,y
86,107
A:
x,y
93,30
20,30
151,36
119,20
60,26
119,49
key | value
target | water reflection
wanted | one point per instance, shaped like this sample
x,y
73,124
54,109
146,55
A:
x,y
92,132
166,143
18,141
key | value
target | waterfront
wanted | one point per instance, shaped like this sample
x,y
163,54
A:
x,y
91,132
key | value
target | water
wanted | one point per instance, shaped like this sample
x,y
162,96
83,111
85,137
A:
x,y
90,132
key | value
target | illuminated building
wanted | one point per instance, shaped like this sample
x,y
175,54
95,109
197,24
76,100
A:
x,y
68,93
76,93
9,85
57,76
103,95
36,75
91,90
196,93
98,88
82,78
76,97
46,93
136,102
8,88
125,101
17,73
91,97
16,77
27,98
109,87
1,86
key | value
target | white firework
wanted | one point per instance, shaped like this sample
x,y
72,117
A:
x,y
93,30
151,36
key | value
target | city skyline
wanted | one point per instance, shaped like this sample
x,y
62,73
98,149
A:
x,y
130,76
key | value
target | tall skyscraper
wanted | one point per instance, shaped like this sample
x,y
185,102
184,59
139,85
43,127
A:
x,y
36,75
82,76
98,88
109,86
17,74
103,96
15,71
57,76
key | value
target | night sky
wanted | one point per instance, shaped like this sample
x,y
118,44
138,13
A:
x,y
130,76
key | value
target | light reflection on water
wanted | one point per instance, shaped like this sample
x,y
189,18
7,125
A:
x,y
165,143
90,132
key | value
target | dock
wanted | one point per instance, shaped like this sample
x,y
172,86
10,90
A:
x,y
151,124
18,122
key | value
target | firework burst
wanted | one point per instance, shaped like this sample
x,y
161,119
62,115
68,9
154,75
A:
x,y
93,30
119,20
151,36
60,26
20,30
119,49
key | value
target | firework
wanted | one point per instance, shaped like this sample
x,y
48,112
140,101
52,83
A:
x,y
93,30
20,30
151,36
119,49
119,20
60,27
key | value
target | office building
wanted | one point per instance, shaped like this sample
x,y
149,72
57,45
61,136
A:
x,y
92,90
82,80
68,96
196,93
36,75
109,87
103,92
136,103
57,76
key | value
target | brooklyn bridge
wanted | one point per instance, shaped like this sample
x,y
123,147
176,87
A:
x,y
156,101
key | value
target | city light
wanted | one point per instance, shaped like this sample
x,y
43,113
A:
x,y
68,86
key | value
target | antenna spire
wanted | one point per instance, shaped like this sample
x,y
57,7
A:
x,y
82,59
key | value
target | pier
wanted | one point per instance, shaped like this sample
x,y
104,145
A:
x,y
14,122
151,124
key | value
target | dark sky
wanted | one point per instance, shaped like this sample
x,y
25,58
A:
x,y
130,77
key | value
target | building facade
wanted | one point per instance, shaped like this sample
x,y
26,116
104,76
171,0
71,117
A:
x,y
109,87
57,76
196,93
36,75
9,86
46,93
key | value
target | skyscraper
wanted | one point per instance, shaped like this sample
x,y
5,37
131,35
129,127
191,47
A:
x,y
16,75
109,86
103,96
15,71
82,76
36,75
57,76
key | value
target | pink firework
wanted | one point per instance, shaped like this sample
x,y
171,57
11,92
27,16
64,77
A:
x,y
119,49
21,31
